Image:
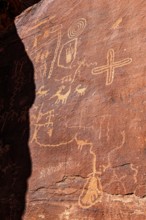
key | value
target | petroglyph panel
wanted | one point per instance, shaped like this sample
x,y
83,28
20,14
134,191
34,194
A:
x,y
87,124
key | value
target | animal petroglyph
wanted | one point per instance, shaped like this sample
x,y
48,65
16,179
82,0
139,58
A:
x,y
110,67
60,96
41,91
82,143
80,90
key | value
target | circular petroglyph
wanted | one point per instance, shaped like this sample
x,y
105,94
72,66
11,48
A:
x,y
77,28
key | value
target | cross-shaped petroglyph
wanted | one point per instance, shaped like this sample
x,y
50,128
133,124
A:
x,y
110,67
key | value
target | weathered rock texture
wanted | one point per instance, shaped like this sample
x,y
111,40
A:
x,y
87,124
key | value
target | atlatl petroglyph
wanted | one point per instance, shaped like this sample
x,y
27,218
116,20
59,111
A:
x,y
110,67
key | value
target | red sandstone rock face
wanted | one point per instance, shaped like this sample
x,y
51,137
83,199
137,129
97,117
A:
x,y
88,130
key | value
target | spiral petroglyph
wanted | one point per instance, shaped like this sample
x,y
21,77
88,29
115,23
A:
x,y
77,28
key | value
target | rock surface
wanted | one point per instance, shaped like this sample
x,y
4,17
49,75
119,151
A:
x,y
86,128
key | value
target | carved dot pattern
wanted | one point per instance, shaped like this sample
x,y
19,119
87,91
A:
x,y
77,28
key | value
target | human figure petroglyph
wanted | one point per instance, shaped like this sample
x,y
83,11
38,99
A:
x,y
110,67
